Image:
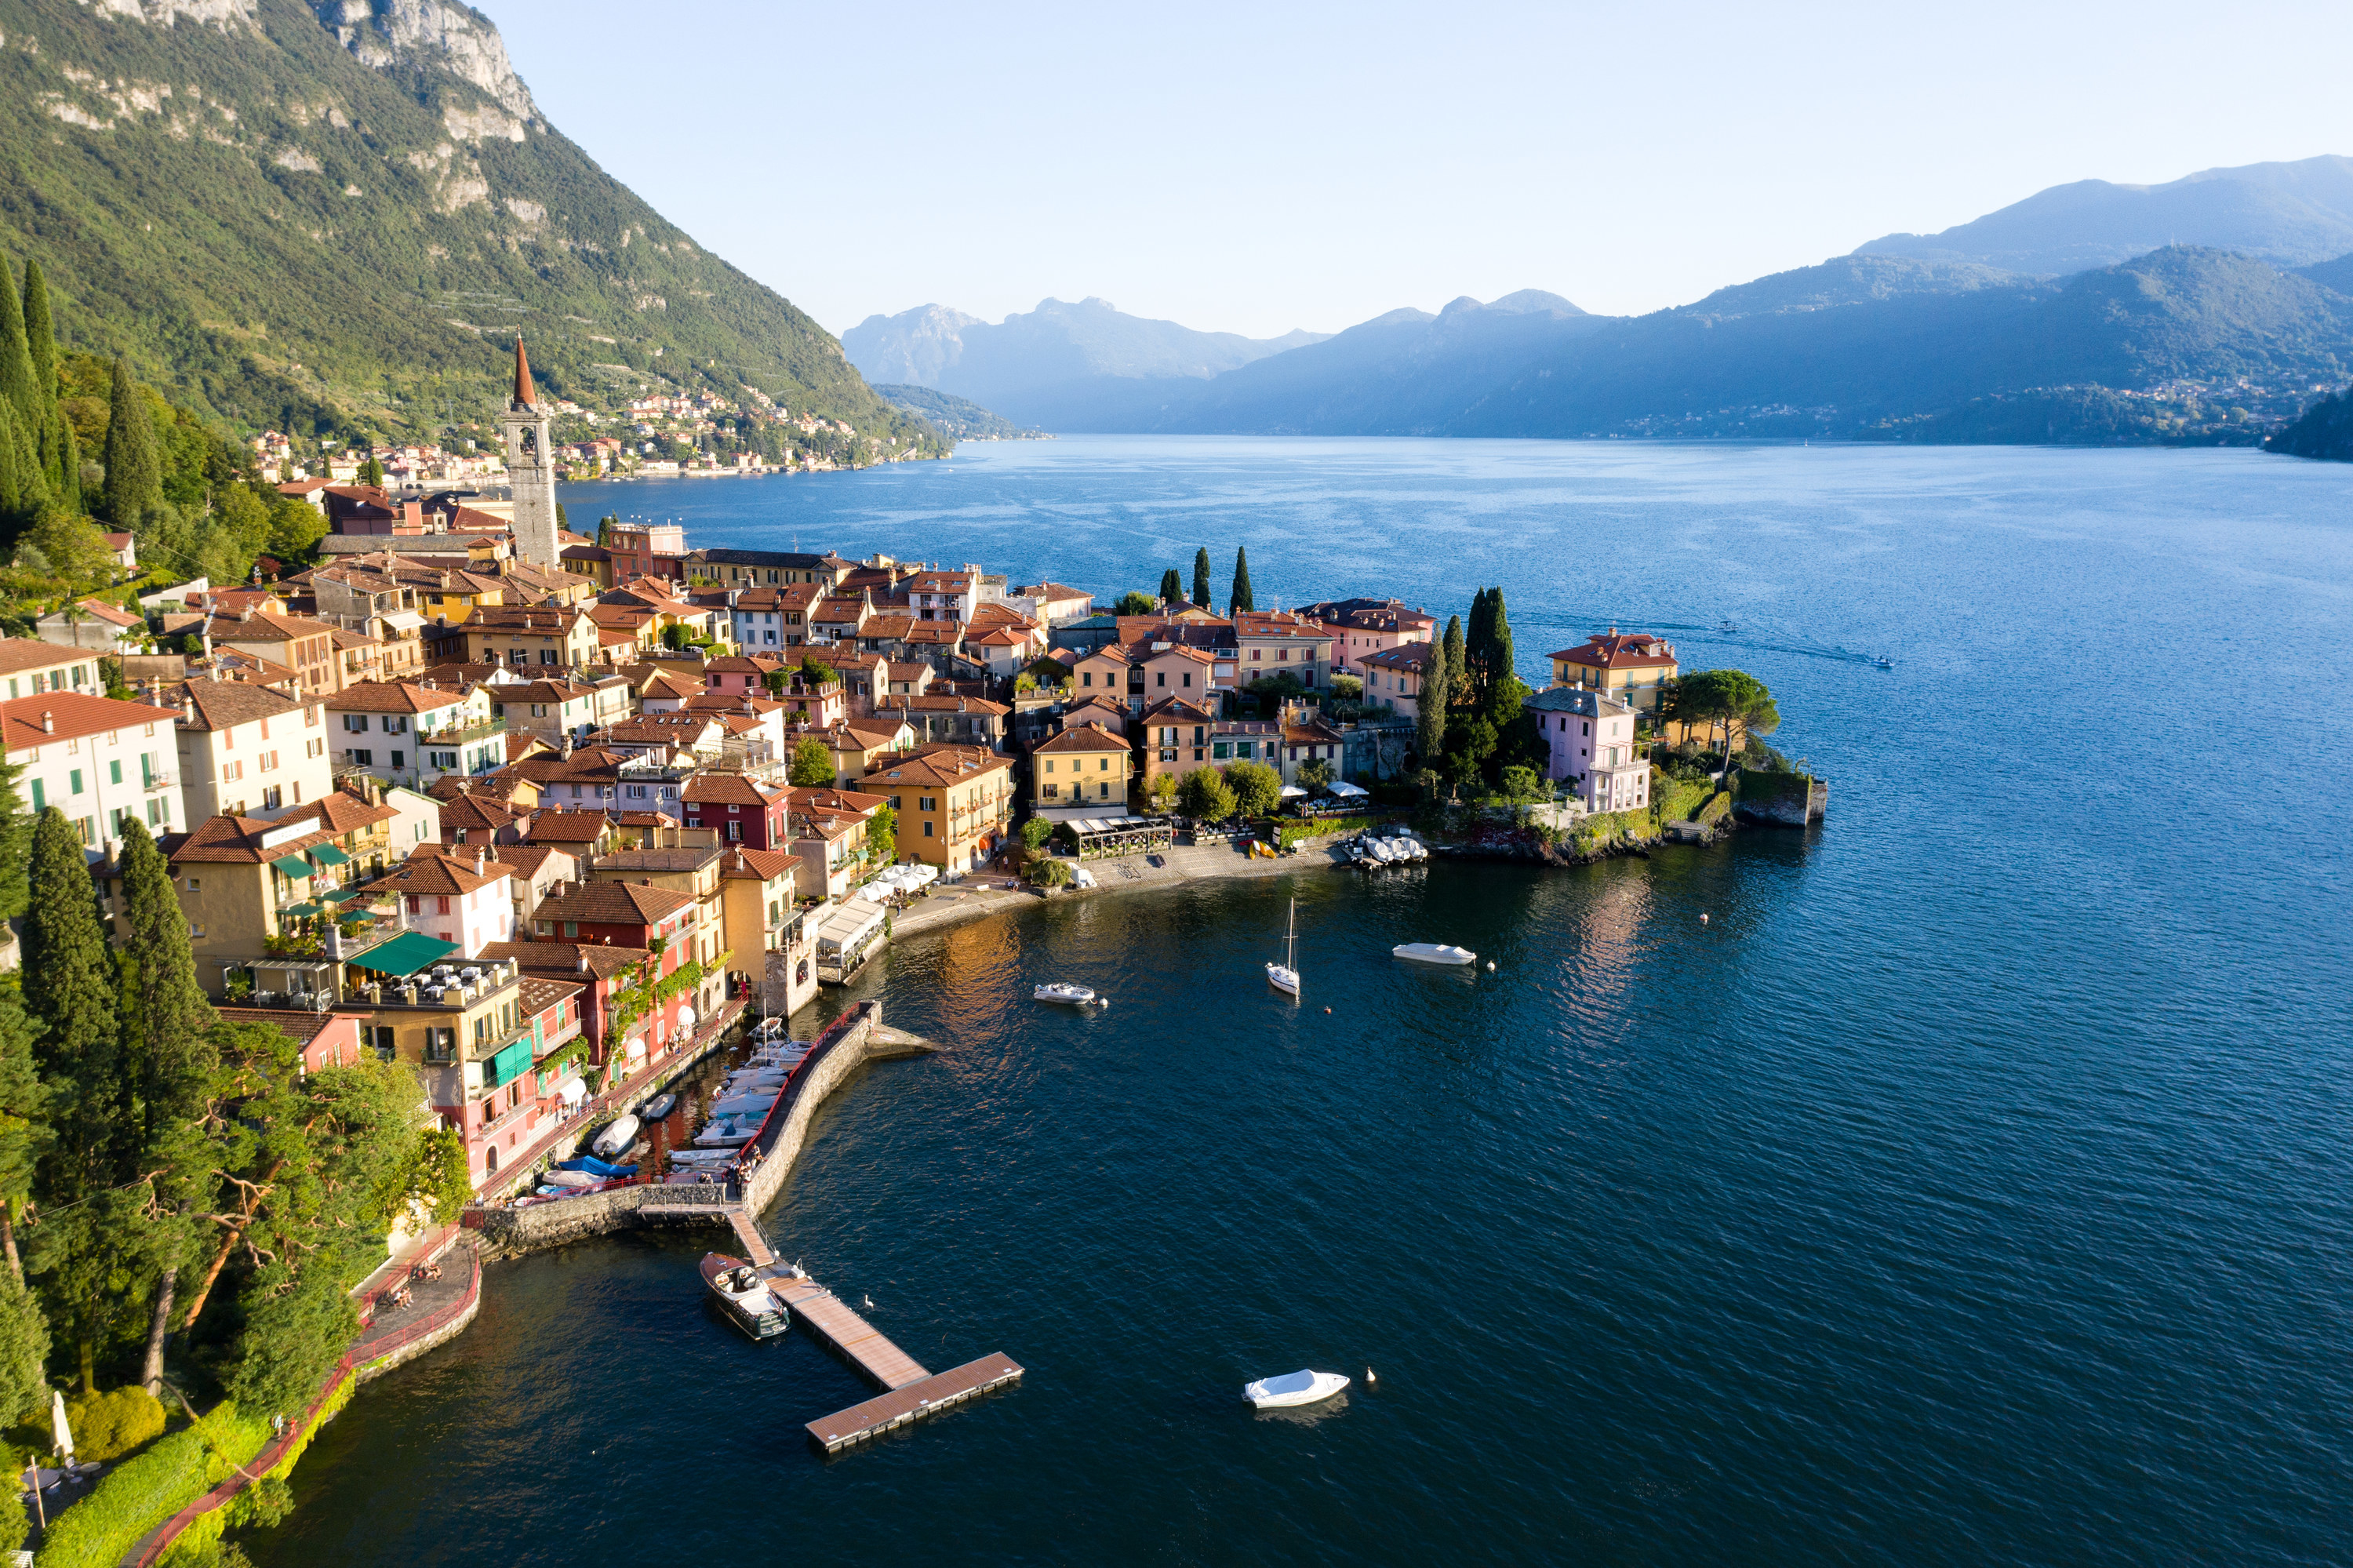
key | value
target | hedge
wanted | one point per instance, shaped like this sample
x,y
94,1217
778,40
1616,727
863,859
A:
x,y
142,1493
207,1528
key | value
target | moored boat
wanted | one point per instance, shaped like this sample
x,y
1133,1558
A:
x,y
745,1296
1285,976
660,1106
1069,995
616,1139
752,1104
727,1132
1433,953
1301,1387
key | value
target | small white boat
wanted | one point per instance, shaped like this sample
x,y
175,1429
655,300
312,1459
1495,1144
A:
x,y
1071,995
1285,976
787,1055
767,1029
1301,1387
726,1133
1433,953
740,1290
570,1179
1385,853
614,1140
752,1104
657,1107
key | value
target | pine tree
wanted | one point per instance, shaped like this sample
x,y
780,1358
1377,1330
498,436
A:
x,y
41,334
134,464
1241,597
1172,587
1201,577
16,382
1458,676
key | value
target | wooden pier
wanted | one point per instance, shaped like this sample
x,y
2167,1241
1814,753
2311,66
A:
x,y
828,1317
911,1403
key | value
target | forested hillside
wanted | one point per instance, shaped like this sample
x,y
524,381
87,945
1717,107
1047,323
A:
x,y
299,222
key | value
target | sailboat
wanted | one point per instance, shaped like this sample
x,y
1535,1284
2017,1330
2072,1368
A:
x,y
1285,976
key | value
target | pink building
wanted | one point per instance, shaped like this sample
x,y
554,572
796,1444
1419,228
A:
x,y
1366,626
1592,741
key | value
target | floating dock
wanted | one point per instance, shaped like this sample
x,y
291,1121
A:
x,y
828,1317
902,1406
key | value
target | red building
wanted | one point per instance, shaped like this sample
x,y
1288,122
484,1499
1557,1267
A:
x,y
740,808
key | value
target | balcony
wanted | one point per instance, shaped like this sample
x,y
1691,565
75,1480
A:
x,y
155,780
462,734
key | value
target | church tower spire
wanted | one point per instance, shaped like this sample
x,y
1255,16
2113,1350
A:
x,y
530,470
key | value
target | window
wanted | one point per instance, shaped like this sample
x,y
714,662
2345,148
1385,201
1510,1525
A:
x,y
927,829
1164,677
355,724
400,759
364,759
1103,764
396,723
114,772
1102,791
1086,677
1221,750
271,799
927,803
155,813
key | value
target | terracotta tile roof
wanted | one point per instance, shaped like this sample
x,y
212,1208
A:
x,y
1051,591
1179,708
728,789
236,841
940,703
469,812
339,814
1085,737
499,786
946,632
300,1026
683,857
539,994
1614,650
1414,656
819,798
29,721
391,697
763,865
1369,614
1260,625
942,765
551,959
547,621
263,627
568,827
20,655
613,904
224,705
431,869
542,692
113,614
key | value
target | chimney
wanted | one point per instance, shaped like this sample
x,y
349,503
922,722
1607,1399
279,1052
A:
x,y
48,723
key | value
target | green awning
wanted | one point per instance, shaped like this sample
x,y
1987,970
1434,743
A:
x,y
292,864
406,954
344,894
299,909
328,854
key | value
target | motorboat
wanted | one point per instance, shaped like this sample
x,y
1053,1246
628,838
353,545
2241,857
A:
x,y
727,1132
756,1078
1285,976
657,1107
570,1179
1382,852
1301,1387
703,1159
1433,953
752,1103
767,1029
745,1296
1061,991
596,1167
616,1139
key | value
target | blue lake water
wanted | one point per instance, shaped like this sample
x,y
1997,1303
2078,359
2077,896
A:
x,y
1973,1187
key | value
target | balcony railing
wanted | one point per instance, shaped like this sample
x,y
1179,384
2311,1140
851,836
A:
x,y
464,733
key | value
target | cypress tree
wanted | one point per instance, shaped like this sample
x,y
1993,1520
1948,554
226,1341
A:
x,y
40,335
69,992
61,460
1477,638
16,841
1201,577
164,1014
1172,587
1241,597
12,482
1500,657
24,1122
1456,676
134,465
1429,711
17,383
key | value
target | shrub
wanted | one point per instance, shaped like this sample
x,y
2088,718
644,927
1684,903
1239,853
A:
x,y
112,1425
142,1492
14,1523
1049,873
1036,831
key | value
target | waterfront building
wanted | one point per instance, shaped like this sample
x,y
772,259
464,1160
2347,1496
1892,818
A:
x,y
955,802
1366,626
1081,772
739,808
771,941
1590,735
1393,676
1175,737
766,569
547,710
1632,667
829,836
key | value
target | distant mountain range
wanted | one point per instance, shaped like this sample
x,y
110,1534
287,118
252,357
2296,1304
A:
x,y
1050,366
2293,214
339,215
1995,331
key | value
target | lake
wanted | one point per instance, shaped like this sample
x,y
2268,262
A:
x,y
1971,1187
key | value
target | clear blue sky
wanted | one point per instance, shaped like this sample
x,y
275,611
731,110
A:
x,y
1253,168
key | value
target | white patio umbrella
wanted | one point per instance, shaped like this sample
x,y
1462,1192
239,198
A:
x,y
57,1427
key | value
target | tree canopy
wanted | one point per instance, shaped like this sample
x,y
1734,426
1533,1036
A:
x,y
812,764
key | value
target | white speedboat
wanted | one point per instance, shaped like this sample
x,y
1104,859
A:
x,y
570,1179
657,1107
614,1140
787,1054
749,1078
750,1304
752,1104
766,1031
1285,976
1071,995
727,1132
1385,853
1433,953
1302,1387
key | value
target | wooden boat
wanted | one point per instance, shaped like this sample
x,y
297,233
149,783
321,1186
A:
x,y
1433,953
1301,1387
745,1296
616,1139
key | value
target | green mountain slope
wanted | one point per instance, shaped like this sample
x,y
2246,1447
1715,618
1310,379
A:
x,y
959,418
298,221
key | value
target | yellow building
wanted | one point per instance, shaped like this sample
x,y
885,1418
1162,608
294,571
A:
x,y
1632,666
1081,772
955,802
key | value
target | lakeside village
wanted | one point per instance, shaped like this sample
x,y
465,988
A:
x,y
533,819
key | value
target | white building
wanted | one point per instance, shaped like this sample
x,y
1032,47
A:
x,y
247,750
410,734
466,900
99,762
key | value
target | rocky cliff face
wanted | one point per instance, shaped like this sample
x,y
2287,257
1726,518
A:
x,y
426,35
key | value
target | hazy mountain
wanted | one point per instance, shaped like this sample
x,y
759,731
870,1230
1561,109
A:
x,y
1858,348
2336,274
290,214
1051,365
2289,213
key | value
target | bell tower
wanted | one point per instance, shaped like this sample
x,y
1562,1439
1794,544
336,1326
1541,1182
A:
x,y
530,470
